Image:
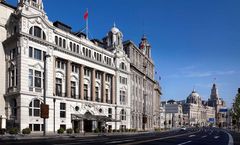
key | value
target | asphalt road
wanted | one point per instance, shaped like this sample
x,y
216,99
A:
x,y
202,136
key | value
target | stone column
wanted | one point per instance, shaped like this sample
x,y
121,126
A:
x,y
113,90
68,79
81,82
103,88
93,85
54,75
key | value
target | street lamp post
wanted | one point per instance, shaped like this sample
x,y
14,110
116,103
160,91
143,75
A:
x,y
44,90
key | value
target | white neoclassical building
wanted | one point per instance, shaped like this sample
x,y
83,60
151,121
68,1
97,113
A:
x,y
88,82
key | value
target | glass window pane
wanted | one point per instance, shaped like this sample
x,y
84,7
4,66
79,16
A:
x,y
37,54
36,103
36,112
30,52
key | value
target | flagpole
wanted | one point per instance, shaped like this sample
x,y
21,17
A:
x,y
87,26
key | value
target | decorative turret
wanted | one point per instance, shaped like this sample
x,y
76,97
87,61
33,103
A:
x,y
145,46
214,92
34,4
115,38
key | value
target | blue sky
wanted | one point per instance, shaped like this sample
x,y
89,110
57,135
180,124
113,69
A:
x,y
193,41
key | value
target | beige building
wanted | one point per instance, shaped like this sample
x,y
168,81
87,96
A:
x,y
143,86
89,83
198,112
218,103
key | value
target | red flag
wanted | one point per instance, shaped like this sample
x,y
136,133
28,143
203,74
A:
x,y
85,15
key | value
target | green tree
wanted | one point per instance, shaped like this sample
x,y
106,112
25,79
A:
x,y
236,110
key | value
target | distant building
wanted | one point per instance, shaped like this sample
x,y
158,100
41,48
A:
x,y
198,113
219,105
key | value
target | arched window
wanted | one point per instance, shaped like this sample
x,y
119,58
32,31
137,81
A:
x,y
60,42
123,114
37,32
34,108
122,66
56,40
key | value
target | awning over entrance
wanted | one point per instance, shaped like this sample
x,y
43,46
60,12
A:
x,y
89,116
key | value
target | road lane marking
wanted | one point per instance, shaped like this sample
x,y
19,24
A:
x,y
192,135
185,142
157,139
119,141
204,136
230,141
216,137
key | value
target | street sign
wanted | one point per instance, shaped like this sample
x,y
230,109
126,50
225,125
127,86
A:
x,y
44,111
211,120
223,110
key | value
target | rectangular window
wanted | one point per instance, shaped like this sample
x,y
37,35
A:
x,y
30,79
64,43
110,112
63,110
107,96
30,52
37,54
71,46
73,89
36,127
38,79
97,94
58,87
85,91
77,48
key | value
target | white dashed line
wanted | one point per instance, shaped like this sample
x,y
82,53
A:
x,y
192,135
216,137
185,142
204,136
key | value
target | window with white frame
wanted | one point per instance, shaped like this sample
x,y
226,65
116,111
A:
x,y
36,53
34,108
58,87
97,94
35,80
37,32
62,110
110,112
123,114
73,89
85,88
122,97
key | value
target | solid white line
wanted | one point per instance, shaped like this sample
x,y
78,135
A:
x,y
204,136
185,142
230,142
120,141
192,135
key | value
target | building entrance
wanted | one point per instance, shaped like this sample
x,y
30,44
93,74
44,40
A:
x,y
88,125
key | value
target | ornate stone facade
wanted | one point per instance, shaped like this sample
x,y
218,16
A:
x,y
88,82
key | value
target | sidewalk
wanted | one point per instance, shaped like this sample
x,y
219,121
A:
x,y
54,136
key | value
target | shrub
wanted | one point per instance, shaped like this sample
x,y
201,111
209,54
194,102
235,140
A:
x,y
2,131
69,131
26,131
60,131
114,130
77,130
96,130
13,130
